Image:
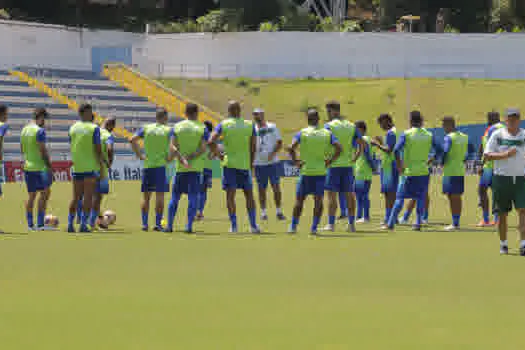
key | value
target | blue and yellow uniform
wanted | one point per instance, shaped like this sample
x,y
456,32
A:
x,y
36,173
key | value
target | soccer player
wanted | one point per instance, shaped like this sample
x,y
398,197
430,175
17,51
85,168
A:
x,y
364,168
266,163
190,137
389,173
37,167
207,175
485,180
340,177
412,153
3,130
86,155
315,143
506,148
238,137
456,150
107,141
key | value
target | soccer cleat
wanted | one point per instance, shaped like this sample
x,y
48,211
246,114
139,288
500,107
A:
x,y
385,227
233,229
403,222
362,221
199,217
46,228
84,229
504,250
416,227
313,232
424,222
168,230
71,229
145,228
281,217
292,230
255,230
189,231
451,228
264,217
31,229
342,217
494,223
158,229
351,228
522,251
483,223
329,228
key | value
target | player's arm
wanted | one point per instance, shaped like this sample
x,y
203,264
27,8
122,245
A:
x,y
3,131
390,143
202,147
292,150
359,144
398,150
438,151
174,152
447,145
471,151
253,146
337,150
278,146
98,149
491,152
212,142
110,144
41,140
135,144
368,156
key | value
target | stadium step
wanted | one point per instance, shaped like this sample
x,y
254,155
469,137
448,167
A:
x,y
155,92
56,95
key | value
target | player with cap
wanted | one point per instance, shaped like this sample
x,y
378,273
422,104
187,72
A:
x,y
506,148
315,144
412,153
266,163
238,138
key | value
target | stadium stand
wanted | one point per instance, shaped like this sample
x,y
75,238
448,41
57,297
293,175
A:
x,y
61,91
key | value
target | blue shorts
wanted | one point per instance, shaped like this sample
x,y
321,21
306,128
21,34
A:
x,y
362,186
85,175
485,180
453,184
267,173
155,180
340,179
307,185
236,179
187,182
207,178
37,180
389,180
103,186
413,187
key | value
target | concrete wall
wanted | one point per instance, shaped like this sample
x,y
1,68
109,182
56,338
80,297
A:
x,y
274,55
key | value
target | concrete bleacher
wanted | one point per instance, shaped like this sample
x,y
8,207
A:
x,y
107,97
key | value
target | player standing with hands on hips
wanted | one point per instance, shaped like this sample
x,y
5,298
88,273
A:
x,y
266,162
506,147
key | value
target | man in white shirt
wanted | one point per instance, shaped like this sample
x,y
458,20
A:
x,y
506,147
266,162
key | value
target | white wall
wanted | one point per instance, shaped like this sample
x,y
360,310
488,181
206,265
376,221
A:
x,y
284,54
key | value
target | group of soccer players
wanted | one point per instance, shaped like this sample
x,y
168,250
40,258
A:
x,y
336,159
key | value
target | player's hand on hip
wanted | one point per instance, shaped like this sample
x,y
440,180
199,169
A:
x,y
185,162
512,152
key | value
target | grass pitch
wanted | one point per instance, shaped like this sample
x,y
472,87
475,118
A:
x,y
127,289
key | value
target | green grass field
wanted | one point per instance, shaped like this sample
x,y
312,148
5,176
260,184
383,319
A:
x,y
468,100
127,289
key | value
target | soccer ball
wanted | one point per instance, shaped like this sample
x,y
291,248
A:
x,y
110,216
51,221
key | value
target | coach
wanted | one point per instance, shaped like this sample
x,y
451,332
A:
x,y
506,147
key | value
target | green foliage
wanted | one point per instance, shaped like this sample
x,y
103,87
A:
x,y
327,25
450,29
4,14
517,29
214,22
268,27
351,26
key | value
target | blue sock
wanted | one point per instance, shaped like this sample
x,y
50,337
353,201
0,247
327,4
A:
x,y
425,214
40,218
486,216
93,218
351,220
406,216
233,221
366,208
79,211
343,204
360,208
29,217
70,219
158,219
388,212
420,211
193,200
252,216
295,222
84,219
496,217
398,206
203,196
331,220
172,210
145,219
455,220
315,223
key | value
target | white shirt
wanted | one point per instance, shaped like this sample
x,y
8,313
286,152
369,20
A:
x,y
267,138
501,141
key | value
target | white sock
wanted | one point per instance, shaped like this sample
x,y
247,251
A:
x,y
263,211
279,211
504,243
522,244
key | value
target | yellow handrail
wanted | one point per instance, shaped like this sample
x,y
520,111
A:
x,y
154,91
53,93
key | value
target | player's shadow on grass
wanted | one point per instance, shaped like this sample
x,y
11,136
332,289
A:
x,y
7,234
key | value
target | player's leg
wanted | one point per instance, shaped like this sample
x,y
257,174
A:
x,y
78,192
332,186
207,178
318,183
359,200
343,206
402,192
262,177
244,180
366,200
275,182
389,184
194,181
162,186
453,187
485,181
173,205
420,193
503,190
331,197
408,211
519,204
229,185
144,209
300,196
147,188
90,184
30,203
102,188
43,199
521,214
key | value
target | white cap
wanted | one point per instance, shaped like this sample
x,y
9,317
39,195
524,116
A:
x,y
258,111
